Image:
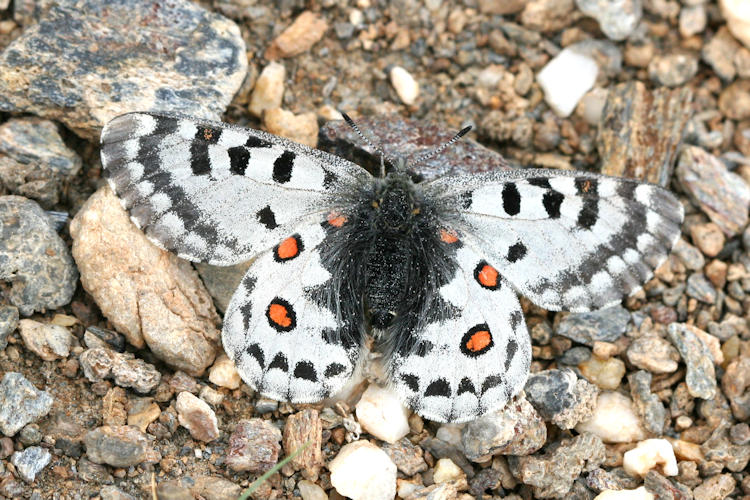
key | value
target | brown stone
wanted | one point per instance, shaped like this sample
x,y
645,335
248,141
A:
x,y
302,34
303,427
640,130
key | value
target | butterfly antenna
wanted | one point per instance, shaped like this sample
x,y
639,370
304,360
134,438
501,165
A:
x,y
437,150
367,141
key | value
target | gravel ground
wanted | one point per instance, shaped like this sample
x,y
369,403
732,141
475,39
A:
x,y
113,382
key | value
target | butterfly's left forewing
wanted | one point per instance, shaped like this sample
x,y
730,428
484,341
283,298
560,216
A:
x,y
216,193
474,358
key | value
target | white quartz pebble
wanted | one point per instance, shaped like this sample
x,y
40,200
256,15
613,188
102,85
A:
x,y
362,471
405,85
614,419
565,79
649,454
382,414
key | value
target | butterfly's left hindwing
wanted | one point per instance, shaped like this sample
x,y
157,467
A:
x,y
286,342
472,361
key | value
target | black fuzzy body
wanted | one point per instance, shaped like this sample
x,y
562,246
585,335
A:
x,y
388,260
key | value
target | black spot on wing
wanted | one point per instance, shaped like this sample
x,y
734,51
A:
x,y
466,385
279,362
239,157
511,199
626,189
589,213
490,382
334,369
516,252
165,125
306,371
266,217
439,387
246,310
256,142
249,283
282,167
465,199
330,178
541,182
256,352
515,319
552,201
423,348
510,353
411,381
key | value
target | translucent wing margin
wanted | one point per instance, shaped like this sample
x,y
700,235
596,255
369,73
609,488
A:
x,y
566,240
213,192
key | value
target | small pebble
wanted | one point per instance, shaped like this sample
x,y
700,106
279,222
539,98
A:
x,y
126,370
8,323
118,446
302,128
606,325
692,20
565,79
405,85
20,403
516,429
700,376
381,413
614,420
654,354
300,429
299,37
224,374
445,470
197,417
737,14
362,471
649,454
647,404
708,237
721,194
604,373
673,70
30,462
640,493
561,397
254,446
268,90
617,19
408,457
49,342
715,487
311,491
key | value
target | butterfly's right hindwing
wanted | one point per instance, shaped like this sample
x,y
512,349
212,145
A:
x,y
216,193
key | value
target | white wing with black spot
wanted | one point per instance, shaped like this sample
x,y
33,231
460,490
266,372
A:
x,y
285,336
213,192
566,240
472,361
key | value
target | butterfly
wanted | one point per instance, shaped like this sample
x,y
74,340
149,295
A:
x,y
432,269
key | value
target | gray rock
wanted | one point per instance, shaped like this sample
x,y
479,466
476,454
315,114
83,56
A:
x,y
575,356
689,255
34,160
216,488
20,403
85,62
517,429
653,353
673,70
124,368
552,473
253,446
722,195
617,19
561,397
8,323
647,404
221,282
606,325
33,258
400,137
118,446
114,493
408,457
700,376
700,288
30,462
